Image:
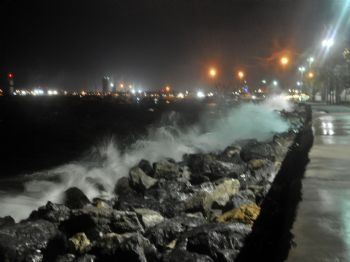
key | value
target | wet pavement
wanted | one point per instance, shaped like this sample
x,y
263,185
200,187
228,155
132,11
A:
x,y
322,226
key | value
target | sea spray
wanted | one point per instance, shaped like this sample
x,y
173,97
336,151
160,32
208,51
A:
x,y
107,163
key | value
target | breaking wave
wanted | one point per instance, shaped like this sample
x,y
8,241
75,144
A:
x,y
106,163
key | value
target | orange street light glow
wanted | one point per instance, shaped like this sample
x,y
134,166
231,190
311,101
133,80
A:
x,y
240,74
212,72
284,61
311,75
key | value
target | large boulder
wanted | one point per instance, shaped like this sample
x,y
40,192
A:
x,y
221,242
79,243
179,255
208,165
26,241
148,217
146,167
139,180
246,213
169,230
55,213
6,221
125,247
122,187
219,194
74,198
166,168
96,222
257,150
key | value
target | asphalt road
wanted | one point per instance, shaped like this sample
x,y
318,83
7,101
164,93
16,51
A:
x,y
322,226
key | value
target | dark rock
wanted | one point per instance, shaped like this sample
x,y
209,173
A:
x,y
26,241
139,180
125,221
162,234
74,198
6,221
167,169
86,258
55,213
219,193
146,167
221,242
257,150
148,217
166,197
65,258
123,187
209,165
231,154
184,256
125,247
96,222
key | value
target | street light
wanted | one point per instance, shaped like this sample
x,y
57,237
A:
x,y
212,72
275,83
311,75
240,75
310,60
284,61
328,42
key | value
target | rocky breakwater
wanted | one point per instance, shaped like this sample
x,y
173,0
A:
x,y
200,209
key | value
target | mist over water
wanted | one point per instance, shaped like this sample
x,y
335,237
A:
x,y
106,163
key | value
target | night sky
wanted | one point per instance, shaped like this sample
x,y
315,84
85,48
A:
x,y
71,44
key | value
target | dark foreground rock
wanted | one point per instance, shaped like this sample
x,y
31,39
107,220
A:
x,y
26,241
208,207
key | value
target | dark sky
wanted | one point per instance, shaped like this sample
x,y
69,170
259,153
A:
x,y
72,43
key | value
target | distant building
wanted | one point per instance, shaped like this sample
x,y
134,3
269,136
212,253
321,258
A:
x,y
106,83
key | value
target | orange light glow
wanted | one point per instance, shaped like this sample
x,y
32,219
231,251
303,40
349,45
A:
x,y
212,72
240,74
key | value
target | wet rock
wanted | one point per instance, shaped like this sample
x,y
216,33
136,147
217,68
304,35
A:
x,y
208,165
257,163
122,187
65,258
246,213
125,221
148,217
6,221
219,193
221,242
96,222
167,169
79,243
55,213
102,203
74,198
169,230
125,247
25,240
146,167
231,154
257,150
86,258
139,180
184,256
243,197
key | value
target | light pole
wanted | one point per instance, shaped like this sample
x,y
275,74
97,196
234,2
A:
x,y
302,71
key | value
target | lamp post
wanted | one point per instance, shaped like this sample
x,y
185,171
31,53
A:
x,y
302,71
